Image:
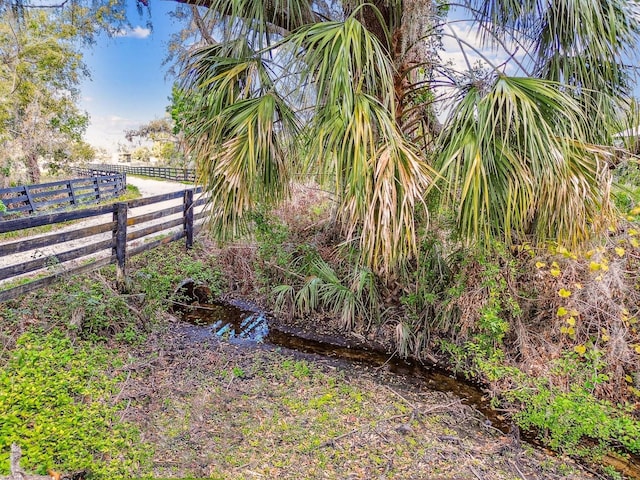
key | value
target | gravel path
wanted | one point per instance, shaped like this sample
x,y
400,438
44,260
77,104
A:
x,y
147,187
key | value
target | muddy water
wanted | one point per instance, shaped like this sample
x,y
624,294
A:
x,y
241,322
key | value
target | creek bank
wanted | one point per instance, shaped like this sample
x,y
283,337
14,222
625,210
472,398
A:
x,y
232,410
364,350
241,321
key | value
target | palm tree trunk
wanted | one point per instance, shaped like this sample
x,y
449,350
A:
x,y
411,43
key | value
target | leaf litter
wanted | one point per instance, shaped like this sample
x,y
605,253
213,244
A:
x,y
228,411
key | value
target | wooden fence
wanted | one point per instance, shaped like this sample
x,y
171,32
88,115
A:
x,y
167,173
117,245
58,195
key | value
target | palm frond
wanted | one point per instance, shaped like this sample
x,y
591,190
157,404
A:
x,y
284,297
308,297
354,139
589,45
379,177
239,131
516,161
260,20
250,166
343,58
352,298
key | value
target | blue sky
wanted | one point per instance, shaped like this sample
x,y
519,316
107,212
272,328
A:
x,y
127,85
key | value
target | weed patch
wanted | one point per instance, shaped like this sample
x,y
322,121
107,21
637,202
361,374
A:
x,y
553,332
54,403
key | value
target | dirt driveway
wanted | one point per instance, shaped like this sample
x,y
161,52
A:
x,y
149,187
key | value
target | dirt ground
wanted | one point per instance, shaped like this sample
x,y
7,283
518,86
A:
x,y
237,411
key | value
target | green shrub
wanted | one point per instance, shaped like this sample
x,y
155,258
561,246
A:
x,y
88,306
565,419
160,271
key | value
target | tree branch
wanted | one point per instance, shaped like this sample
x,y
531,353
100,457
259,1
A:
x,y
201,26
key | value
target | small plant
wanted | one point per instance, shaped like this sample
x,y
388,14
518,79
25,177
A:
x,y
627,181
90,305
353,298
299,369
132,192
274,258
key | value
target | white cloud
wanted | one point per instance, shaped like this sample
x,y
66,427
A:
x,y
108,131
135,32
463,48
471,50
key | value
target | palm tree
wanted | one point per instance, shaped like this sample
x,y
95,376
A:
x,y
355,86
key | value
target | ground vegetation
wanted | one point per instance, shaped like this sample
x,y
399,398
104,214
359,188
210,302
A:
x,y
106,385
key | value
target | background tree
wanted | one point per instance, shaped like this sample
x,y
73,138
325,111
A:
x,y
141,154
166,145
41,69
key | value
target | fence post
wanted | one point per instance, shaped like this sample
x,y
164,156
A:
x,y
120,248
188,216
27,192
96,183
72,193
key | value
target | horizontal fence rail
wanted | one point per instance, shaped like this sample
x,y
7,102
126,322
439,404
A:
x,y
59,195
167,173
109,241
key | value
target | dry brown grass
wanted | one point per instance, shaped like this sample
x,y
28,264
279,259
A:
x,y
587,303
221,411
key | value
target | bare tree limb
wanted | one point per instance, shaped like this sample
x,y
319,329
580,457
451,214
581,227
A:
x,y
206,35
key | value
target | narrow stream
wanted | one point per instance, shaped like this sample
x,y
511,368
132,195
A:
x,y
242,323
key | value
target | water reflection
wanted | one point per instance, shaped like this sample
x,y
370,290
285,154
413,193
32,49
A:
x,y
225,321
